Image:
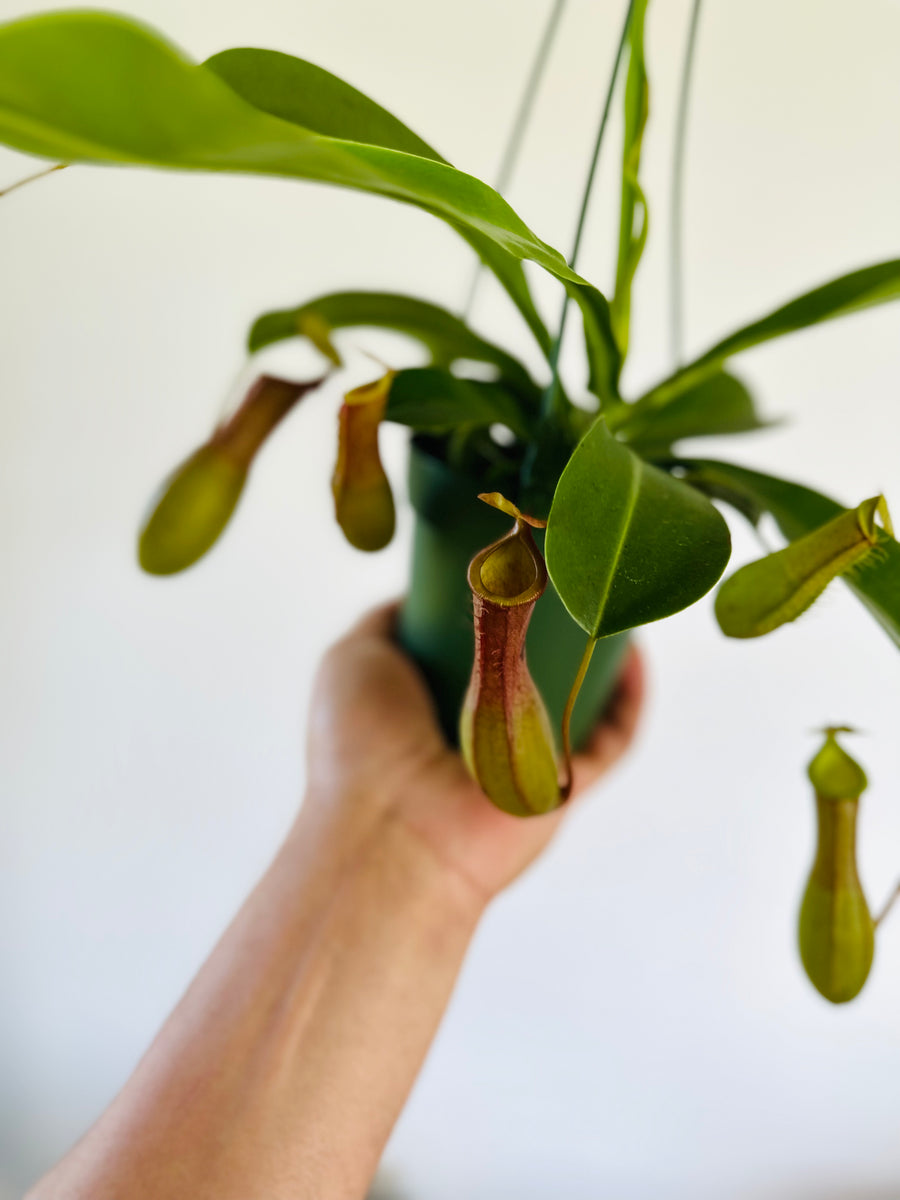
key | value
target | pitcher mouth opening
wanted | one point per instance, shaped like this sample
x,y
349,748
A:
x,y
511,571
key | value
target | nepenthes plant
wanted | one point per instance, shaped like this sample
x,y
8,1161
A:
x,y
612,526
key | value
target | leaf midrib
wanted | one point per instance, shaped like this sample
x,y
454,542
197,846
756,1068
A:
x,y
637,468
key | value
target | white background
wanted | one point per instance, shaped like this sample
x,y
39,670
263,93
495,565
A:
x,y
632,1021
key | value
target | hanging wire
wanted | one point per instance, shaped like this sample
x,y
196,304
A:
x,y
676,265
550,394
519,127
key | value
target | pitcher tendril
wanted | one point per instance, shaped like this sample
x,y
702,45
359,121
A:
x,y
566,785
888,905
20,183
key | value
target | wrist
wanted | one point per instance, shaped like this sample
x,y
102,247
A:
x,y
343,838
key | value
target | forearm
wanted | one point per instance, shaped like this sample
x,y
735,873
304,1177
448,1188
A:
x,y
283,1069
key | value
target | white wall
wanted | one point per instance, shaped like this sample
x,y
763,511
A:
x,y
633,1021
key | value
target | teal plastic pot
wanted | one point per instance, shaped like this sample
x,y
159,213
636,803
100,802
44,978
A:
x,y
436,625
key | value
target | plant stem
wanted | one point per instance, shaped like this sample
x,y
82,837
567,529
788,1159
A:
x,y
550,396
519,126
676,273
567,714
32,178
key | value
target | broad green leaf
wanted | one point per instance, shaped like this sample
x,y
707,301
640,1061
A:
x,y
851,293
633,211
96,87
776,589
432,400
719,404
303,94
446,337
626,543
798,510
308,96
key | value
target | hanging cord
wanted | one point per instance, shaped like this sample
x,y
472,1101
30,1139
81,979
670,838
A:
x,y
549,400
676,263
519,127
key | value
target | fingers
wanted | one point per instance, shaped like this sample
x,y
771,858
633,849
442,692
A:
x,y
378,622
614,734
610,739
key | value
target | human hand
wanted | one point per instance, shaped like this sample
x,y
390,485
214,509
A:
x,y
377,754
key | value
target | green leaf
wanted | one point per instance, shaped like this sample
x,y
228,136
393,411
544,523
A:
x,y
604,359
633,211
768,593
432,400
95,87
510,274
308,96
557,437
719,404
851,293
798,510
444,335
626,543
303,94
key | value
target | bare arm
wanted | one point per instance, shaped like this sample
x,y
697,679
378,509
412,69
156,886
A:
x,y
283,1069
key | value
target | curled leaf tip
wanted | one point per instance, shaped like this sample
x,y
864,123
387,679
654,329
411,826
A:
x,y
197,500
363,501
505,733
